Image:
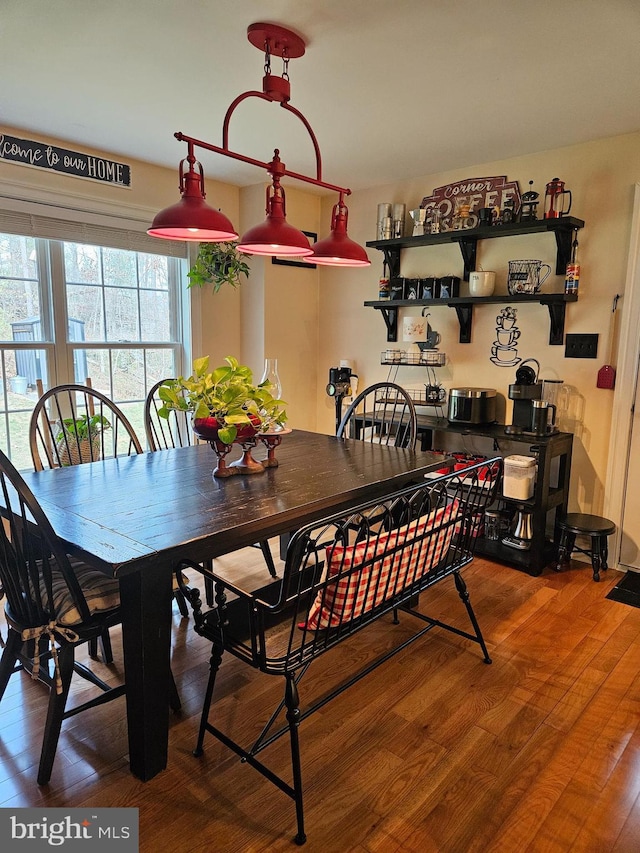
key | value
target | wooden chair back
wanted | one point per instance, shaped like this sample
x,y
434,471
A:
x,y
383,413
163,433
58,431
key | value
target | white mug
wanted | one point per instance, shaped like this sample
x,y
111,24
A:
x,y
481,283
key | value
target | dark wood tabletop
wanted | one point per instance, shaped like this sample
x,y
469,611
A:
x,y
136,517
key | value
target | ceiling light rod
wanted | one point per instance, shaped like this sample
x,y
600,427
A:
x,y
199,143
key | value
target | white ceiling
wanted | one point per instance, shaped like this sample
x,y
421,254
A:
x,y
393,89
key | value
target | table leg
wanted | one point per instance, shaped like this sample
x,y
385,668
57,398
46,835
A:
x,y
145,599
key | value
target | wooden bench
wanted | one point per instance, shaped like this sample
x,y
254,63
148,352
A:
x,y
341,574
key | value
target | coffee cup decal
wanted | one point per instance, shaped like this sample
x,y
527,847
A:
x,y
507,337
504,350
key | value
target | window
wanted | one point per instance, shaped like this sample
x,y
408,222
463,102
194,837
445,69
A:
x,y
71,311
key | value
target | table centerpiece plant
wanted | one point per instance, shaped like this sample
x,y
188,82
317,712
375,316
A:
x,y
225,400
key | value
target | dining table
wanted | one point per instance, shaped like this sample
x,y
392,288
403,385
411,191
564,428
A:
x,y
135,518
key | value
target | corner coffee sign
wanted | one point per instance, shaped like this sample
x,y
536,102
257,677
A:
x,y
476,192
50,157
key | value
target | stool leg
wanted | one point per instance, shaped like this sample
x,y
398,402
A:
x,y
604,551
565,546
596,560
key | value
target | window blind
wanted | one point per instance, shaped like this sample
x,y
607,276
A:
x,y
75,231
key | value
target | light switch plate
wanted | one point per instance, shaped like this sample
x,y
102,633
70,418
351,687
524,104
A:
x,y
581,346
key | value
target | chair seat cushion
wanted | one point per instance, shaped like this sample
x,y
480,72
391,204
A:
x,y
101,592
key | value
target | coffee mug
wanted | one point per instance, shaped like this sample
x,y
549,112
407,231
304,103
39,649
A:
x,y
525,276
485,216
502,353
481,283
507,337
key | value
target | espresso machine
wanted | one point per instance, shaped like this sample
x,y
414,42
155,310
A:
x,y
523,391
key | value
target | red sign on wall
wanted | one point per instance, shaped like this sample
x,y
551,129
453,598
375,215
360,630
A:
x,y
476,192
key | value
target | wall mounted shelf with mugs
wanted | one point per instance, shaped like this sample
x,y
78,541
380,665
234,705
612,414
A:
x,y
564,230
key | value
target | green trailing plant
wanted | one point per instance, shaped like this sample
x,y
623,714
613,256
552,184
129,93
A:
x,y
227,394
218,264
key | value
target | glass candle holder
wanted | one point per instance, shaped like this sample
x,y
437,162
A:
x,y
270,375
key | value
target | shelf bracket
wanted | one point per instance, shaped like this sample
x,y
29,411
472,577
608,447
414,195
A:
x,y
564,238
556,317
468,248
392,258
465,318
390,317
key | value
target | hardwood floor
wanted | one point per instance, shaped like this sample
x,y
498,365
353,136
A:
x,y
434,751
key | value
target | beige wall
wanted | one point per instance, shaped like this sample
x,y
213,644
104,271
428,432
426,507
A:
x,y
601,176
310,319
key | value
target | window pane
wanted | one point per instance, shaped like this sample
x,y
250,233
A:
x,y
82,263
121,308
19,310
18,257
161,364
153,272
19,289
19,372
86,314
154,314
119,268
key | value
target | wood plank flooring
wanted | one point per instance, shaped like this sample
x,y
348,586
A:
x,y
434,751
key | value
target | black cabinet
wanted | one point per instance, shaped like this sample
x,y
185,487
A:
x,y
551,492
563,229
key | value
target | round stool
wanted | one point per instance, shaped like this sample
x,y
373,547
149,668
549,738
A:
x,y
598,528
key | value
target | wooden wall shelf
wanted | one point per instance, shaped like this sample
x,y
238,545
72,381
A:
x,y
464,305
467,239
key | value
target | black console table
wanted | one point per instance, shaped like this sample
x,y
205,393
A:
x,y
551,493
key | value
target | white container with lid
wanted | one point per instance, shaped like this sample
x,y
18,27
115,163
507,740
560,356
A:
x,y
519,477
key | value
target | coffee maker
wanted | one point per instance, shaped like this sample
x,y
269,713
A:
x,y
523,391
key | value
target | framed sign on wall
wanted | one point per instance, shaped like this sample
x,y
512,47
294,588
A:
x,y
294,261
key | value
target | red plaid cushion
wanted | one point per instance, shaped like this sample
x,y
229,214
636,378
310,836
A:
x,y
380,579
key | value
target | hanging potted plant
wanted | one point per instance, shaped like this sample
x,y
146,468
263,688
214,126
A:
x,y
218,264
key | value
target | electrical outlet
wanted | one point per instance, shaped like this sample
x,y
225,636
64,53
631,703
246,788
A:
x,y
581,346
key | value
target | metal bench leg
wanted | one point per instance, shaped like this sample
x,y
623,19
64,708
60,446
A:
x,y
464,595
292,702
214,666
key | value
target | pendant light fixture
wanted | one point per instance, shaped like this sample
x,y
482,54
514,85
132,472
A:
x,y
338,249
275,236
192,219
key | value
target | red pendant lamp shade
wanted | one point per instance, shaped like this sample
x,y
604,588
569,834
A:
x,y
192,218
275,236
338,249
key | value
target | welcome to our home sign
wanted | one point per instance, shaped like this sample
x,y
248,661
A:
x,y
43,156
